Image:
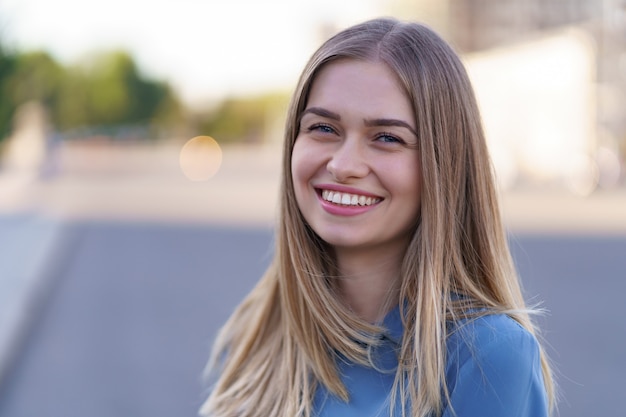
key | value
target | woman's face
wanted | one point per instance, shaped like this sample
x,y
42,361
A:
x,y
355,162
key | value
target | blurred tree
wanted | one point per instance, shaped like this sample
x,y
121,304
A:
x,y
7,109
244,119
26,77
110,91
170,116
72,109
35,77
109,98
107,91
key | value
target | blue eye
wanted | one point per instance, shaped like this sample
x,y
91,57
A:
x,y
322,128
387,138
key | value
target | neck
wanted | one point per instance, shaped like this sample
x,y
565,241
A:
x,y
368,280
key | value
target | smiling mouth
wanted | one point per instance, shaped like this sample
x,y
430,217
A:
x,y
347,199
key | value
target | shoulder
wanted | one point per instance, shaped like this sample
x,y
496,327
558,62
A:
x,y
471,337
494,367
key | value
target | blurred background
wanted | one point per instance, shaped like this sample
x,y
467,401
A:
x,y
139,164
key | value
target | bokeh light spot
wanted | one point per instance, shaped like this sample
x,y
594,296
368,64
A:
x,y
200,158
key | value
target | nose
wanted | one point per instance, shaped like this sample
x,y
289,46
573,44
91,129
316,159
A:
x,y
348,162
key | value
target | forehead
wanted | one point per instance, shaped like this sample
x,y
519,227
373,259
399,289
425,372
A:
x,y
369,87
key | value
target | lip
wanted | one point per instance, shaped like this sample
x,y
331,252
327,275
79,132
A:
x,y
339,210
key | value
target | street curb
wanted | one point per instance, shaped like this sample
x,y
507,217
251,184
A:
x,y
34,277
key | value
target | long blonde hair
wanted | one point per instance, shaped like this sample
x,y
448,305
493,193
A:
x,y
280,344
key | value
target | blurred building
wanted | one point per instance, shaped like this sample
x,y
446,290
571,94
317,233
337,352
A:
x,y
476,26
480,24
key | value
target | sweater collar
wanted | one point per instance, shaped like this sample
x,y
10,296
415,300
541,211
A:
x,y
393,327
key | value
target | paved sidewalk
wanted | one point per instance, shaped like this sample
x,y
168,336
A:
x,y
29,243
145,183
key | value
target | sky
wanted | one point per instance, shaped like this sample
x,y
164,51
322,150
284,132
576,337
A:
x,y
206,49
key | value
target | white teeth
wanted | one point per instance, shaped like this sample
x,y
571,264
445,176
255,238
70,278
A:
x,y
348,199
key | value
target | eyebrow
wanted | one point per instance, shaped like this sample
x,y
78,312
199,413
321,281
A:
x,y
368,122
390,122
321,112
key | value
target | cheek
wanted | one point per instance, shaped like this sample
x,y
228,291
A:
x,y
301,169
404,178
307,158
296,163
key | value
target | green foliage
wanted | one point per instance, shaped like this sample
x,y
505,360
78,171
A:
x,y
111,91
71,109
36,76
248,119
7,108
107,94
108,91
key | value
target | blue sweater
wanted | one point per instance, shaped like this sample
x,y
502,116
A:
x,y
493,369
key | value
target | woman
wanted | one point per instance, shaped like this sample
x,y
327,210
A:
x,y
392,290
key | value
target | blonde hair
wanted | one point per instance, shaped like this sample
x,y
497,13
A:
x,y
280,343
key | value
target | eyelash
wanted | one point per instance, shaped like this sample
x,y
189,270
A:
x,y
389,135
325,128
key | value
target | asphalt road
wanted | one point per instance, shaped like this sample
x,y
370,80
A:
x,y
127,327
133,307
